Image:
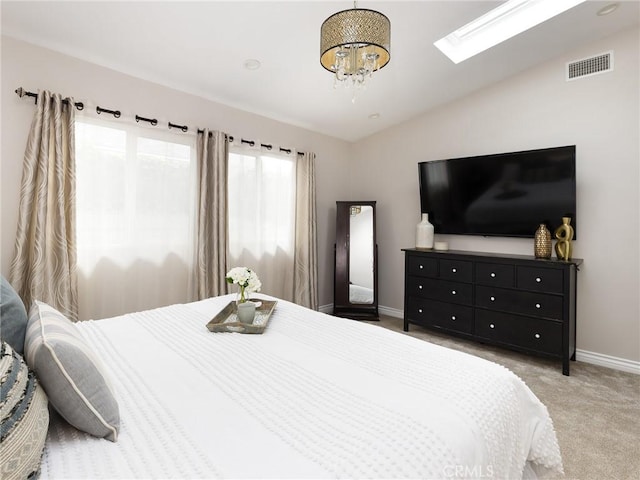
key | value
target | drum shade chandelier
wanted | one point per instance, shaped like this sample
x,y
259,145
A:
x,y
355,43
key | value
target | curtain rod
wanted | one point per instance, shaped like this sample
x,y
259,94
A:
x,y
152,121
251,143
23,93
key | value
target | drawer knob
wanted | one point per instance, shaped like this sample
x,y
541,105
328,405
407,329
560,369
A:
x,y
491,325
493,299
453,292
493,275
453,317
454,270
421,267
538,305
538,279
537,335
420,287
419,310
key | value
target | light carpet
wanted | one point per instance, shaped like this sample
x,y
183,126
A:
x,y
595,411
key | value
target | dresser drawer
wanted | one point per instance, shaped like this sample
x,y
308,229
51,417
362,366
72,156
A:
x,y
422,266
456,270
447,316
496,274
442,290
539,279
524,332
527,303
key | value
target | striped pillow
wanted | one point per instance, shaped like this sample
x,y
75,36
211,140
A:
x,y
74,379
24,417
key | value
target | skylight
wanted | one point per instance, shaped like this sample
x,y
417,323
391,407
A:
x,y
500,24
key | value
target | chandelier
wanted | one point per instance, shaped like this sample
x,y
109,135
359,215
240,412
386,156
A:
x,y
354,44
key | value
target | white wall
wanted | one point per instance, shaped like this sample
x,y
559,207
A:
x,y
536,109
34,68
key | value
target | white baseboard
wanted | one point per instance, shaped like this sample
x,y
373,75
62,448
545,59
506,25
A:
x,y
616,363
585,356
391,312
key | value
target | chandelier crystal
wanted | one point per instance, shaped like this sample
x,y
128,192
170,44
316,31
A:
x,y
355,43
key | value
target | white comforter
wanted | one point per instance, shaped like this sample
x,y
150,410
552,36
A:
x,y
313,397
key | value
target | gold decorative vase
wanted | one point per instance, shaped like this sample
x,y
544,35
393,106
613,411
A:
x,y
564,233
542,242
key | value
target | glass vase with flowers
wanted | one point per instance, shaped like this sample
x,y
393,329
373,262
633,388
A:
x,y
247,281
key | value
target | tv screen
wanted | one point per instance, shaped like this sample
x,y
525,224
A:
x,y
507,194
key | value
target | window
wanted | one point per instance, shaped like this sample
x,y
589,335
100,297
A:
x,y
261,207
134,207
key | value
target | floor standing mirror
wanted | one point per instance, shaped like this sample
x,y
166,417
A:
x,y
355,292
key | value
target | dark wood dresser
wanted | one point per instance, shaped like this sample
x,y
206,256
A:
x,y
515,301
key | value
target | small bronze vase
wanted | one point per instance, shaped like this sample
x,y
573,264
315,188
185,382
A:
x,y
564,233
542,242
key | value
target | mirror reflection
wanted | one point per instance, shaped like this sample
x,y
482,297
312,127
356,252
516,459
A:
x,y
361,251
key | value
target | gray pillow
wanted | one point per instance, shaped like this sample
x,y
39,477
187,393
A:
x,y
24,417
72,376
13,317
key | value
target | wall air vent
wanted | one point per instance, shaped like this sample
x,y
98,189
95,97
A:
x,y
590,66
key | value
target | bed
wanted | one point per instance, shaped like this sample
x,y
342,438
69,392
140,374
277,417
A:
x,y
314,396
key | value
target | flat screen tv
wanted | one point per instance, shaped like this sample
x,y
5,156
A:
x,y
506,194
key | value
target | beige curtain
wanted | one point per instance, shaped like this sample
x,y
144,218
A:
x,y
211,217
305,274
44,265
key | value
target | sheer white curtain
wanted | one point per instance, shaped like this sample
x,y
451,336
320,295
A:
x,y
261,203
135,208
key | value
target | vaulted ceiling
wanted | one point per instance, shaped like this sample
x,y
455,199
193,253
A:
x,y
201,48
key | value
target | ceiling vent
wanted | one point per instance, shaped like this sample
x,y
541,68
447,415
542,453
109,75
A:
x,y
590,66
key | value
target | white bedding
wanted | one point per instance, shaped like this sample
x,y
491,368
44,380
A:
x,y
315,396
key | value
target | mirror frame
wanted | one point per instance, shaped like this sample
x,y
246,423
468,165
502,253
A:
x,y
342,306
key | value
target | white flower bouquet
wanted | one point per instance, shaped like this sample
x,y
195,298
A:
x,y
246,279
